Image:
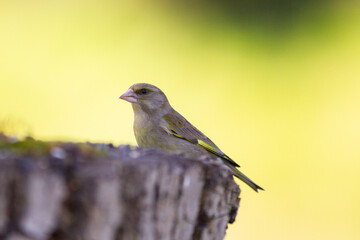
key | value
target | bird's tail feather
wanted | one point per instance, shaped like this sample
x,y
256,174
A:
x,y
244,178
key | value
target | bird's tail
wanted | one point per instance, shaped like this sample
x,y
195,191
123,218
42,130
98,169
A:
x,y
244,178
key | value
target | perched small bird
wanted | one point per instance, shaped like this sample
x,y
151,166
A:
x,y
158,125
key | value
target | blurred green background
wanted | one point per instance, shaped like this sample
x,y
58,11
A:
x,y
276,84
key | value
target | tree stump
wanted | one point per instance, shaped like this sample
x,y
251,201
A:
x,y
84,191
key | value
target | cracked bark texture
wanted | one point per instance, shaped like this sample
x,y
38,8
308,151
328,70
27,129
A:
x,y
96,191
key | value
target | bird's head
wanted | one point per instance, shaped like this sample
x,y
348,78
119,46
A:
x,y
146,96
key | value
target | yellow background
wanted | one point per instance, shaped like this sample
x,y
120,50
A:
x,y
284,104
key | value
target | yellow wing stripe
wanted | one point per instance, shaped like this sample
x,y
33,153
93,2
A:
x,y
208,147
215,151
194,141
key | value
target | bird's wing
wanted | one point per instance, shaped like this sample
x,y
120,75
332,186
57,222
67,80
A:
x,y
179,127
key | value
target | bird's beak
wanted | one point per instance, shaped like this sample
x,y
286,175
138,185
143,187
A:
x,y
129,96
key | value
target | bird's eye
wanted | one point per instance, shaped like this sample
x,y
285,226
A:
x,y
143,91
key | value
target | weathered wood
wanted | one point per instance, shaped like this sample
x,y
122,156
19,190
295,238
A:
x,y
89,192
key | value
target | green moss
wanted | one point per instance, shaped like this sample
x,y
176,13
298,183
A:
x,y
26,146
29,146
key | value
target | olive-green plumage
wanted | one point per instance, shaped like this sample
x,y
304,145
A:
x,y
157,124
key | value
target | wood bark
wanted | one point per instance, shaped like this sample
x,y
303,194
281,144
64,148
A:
x,y
99,192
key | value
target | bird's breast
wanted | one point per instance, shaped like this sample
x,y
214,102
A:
x,y
151,134
141,130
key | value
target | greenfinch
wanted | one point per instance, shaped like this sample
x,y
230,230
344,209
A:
x,y
158,125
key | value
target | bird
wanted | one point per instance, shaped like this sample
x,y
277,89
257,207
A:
x,y
158,125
